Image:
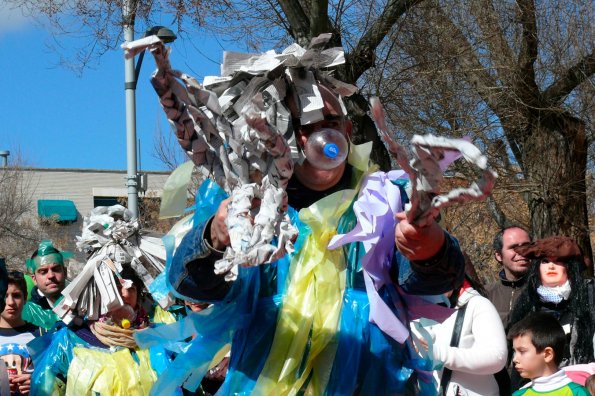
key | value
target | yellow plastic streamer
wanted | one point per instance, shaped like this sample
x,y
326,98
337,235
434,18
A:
x,y
359,156
311,307
93,371
163,316
175,191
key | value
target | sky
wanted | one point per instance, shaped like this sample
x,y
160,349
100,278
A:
x,y
55,118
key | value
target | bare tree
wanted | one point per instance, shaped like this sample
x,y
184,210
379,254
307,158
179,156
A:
x,y
258,24
18,229
166,149
517,76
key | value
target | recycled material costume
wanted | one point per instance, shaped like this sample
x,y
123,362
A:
x,y
96,353
325,319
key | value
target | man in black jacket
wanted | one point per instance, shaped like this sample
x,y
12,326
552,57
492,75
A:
x,y
504,292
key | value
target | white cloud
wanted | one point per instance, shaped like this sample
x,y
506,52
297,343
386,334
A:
x,y
12,19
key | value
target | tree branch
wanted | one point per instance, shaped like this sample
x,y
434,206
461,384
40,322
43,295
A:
x,y
319,22
497,213
16,234
298,21
484,83
578,73
491,31
363,55
526,87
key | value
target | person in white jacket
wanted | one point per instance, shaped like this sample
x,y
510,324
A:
x,y
480,352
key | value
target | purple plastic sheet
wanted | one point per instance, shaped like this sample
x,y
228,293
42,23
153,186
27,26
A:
x,y
378,203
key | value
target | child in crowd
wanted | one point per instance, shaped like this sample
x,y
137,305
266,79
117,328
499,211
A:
x,y
15,333
538,344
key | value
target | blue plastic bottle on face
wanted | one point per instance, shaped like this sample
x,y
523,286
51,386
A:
x,y
326,148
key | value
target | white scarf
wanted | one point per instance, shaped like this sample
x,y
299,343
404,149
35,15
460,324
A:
x,y
554,294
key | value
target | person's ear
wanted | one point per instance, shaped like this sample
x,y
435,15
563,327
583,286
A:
x,y
498,256
302,139
349,128
548,354
33,277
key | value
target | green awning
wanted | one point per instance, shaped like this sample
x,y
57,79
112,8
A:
x,y
57,209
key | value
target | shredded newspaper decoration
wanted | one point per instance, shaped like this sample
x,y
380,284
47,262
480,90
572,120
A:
x,y
112,238
237,130
425,170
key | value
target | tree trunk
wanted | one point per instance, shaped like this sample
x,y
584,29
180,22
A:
x,y
364,130
555,161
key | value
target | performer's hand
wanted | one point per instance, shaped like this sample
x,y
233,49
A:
x,y
219,234
418,243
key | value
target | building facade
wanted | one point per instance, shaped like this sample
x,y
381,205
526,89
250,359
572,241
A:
x,y
68,195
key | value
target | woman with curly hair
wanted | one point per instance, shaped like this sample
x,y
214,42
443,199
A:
x,y
555,285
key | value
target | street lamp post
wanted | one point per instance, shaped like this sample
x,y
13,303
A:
x,y
130,78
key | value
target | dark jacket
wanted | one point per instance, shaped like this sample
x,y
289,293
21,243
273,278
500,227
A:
x,y
504,294
38,299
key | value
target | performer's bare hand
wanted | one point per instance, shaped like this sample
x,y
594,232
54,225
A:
x,y
418,243
219,234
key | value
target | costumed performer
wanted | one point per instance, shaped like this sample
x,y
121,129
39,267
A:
x,y
301,322
103,308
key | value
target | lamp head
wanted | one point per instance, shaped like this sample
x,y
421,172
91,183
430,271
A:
x,y
166,35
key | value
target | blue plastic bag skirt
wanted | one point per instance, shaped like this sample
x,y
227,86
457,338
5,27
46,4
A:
x,y
244,317
52,355
251,344
212,329
250,348
247,315
367,361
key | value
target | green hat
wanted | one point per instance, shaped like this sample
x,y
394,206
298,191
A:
x,y
47,254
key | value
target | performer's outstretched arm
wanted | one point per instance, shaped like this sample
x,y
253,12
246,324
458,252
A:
x,y
429,260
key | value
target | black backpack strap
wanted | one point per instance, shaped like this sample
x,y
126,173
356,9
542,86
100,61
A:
x,y
501,377
503,380
454,341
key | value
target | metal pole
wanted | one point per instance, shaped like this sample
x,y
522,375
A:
x,y
130,90
4,155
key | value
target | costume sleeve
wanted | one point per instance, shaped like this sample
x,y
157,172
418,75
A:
x,y
488,353
437,275
192,274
